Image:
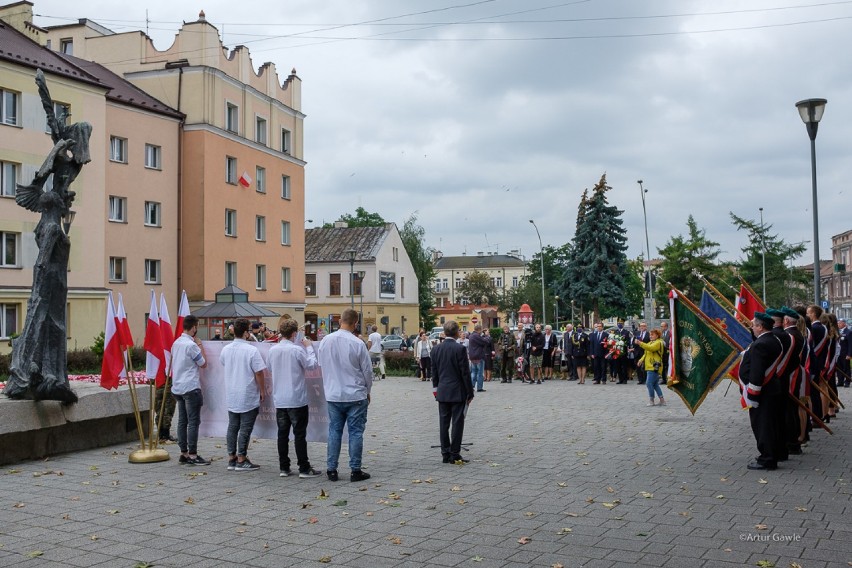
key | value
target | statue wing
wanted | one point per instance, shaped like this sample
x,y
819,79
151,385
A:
x,y
29,197
47,104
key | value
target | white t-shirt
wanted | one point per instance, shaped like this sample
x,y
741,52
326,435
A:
x,y
186,359
287,363
241,361
375,340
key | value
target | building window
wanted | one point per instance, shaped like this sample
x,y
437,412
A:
x,y
402,286
117,265
152,214
395,254
8,320
66,46
458,282
514,281
438,285
285,187
152,157
232,117
230,273
230,223
231,170
285,280
260,228
8,179
355,287
285,232
117,209
9,249
260,179
285,140
445,285
59,110
118,149
260,277
310,284
260,130
334,284
498,282
9,107
152,271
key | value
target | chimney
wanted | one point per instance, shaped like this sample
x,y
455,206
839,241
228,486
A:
x,y
341,225
479,253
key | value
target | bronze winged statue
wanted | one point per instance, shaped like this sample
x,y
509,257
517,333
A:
x,y
39,369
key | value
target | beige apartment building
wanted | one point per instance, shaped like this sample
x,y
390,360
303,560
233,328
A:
x,y
505,271
240,195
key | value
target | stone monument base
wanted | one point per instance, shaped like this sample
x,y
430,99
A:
x,y
35,430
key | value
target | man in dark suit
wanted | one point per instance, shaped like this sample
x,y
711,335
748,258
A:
x,y
782,372
453,390
667,345
621,364
763,393
798,351
597,352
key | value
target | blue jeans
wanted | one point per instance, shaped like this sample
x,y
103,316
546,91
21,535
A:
x,y
189,417
354,416
476,374
240,425
652,381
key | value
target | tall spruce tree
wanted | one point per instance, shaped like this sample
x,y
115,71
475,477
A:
x,y
599,272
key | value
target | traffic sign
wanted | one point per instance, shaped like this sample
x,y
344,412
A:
x,y
825,304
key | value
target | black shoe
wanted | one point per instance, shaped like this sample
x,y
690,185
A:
x,y
826,419
166,437
760,467
538,382
183,459
447,459
358,475
197,460
480,390
332,474
795,450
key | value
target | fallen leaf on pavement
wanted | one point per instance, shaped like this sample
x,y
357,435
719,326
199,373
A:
x,y
340,503
564,531
34,554
322,495
189,501
562,484
455,488
761,527
325,559
646,495
524,540
762,481
395,539
610,490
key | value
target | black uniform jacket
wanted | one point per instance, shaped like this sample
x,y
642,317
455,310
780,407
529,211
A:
x,y
451,372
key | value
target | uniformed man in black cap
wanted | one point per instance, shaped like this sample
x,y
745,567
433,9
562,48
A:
x,y
844,375
763,391
782,372
794,414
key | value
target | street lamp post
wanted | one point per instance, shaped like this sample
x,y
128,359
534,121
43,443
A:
x,y
642,192
763,253
351,253
811,110
541,249
572,311
361,275
556,309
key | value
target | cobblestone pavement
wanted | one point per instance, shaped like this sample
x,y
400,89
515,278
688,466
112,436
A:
x,y
560,474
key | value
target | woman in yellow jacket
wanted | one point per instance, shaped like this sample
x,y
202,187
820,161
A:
x,y
653,359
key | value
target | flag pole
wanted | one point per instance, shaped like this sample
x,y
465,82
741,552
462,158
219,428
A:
x,y
131,385
751,290
722,298
813,416
162,409
826,392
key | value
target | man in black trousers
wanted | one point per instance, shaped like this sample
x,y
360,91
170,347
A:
x,y
597,352
764,393
453,390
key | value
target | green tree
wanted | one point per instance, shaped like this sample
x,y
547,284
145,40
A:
x,y
362,218
684,256
478,288
634,291
598,273
413,239
784,284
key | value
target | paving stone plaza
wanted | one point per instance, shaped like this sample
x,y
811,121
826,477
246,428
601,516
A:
x,y
560,475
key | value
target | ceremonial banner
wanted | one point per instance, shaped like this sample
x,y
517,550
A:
x,y
726,320
214,413
747,301
702,353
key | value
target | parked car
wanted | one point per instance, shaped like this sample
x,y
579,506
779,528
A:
x,y
391,342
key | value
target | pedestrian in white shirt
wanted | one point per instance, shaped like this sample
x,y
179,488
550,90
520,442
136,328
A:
x,y
374,344
347,377
245,388
288,363
187,359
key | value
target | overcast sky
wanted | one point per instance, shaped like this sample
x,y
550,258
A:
x,y
481,115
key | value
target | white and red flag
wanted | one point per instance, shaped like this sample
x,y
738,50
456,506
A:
x,y
155,358
113,362
183,311
245,179
123,326
166,332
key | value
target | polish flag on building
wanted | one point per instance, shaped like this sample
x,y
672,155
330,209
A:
x,y
183,311
166,332
245,179
123,326
113,362
155,358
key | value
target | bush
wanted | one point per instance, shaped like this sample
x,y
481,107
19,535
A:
x,y
495,332
5,362
83,362
400,362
